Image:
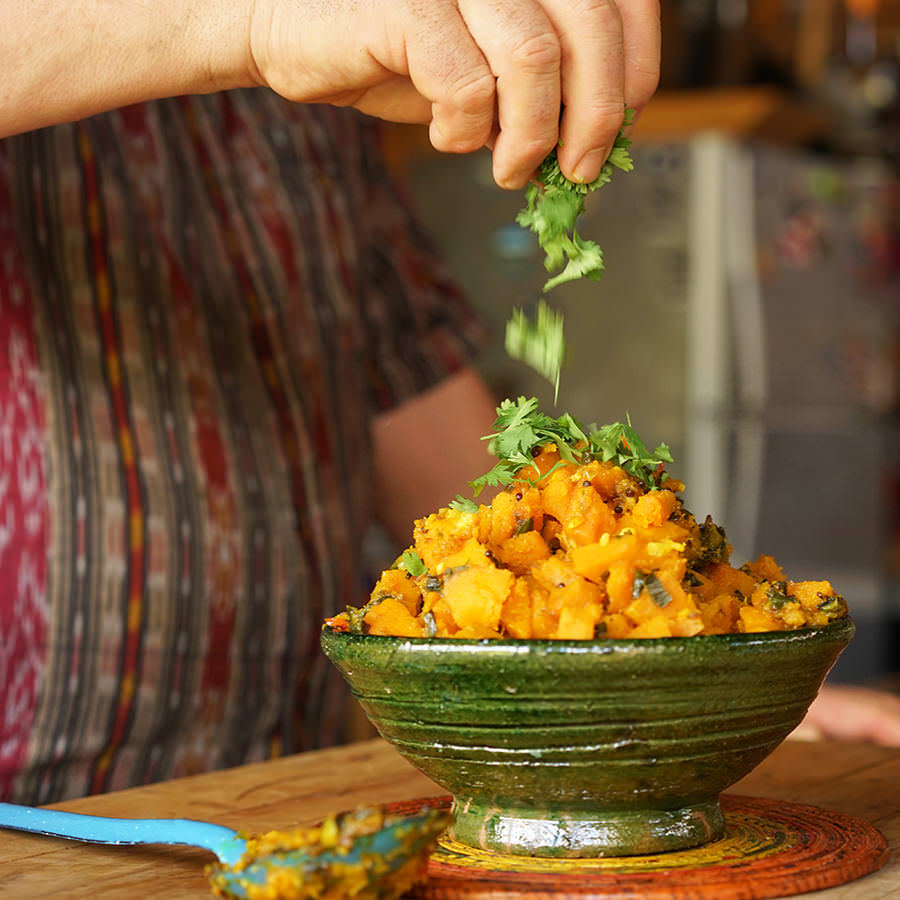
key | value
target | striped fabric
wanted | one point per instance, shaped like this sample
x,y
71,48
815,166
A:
x,y
203,302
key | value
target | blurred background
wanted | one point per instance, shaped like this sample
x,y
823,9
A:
x,y
750,311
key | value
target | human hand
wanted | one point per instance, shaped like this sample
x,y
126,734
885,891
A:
x,y
843,712
479,72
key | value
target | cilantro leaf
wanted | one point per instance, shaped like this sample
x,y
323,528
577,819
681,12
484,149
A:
x,y
621,443
412,562
463,504
585,260
521,429
553,205
540,344
502,474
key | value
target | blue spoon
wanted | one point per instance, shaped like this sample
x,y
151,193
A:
x,y
376,848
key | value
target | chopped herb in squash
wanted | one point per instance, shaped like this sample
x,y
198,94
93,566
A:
x,y
588,539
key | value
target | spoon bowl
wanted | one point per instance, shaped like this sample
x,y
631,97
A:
x,y
374,854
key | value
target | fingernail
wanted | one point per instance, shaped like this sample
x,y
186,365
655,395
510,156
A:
x,y
513,180
589,166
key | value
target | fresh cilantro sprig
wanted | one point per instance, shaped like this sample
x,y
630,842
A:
x,y
521,429
412,562
539,343
553,205
620,443
463,504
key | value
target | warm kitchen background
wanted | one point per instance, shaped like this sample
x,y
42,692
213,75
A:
x,y
750,312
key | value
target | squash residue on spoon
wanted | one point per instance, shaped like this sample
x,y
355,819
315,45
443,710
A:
x,y
334,860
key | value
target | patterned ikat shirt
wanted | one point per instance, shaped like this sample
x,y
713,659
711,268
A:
x,y
203,303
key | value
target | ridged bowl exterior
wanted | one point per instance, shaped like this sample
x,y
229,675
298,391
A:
x,y
578,731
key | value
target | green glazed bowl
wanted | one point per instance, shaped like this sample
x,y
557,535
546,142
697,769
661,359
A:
x,y
587,748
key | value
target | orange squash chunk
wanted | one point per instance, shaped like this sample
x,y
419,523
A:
x,y
727,580
398,583
766,569
556,493
577,623
810,593
620,585
587,518
441,534
554,572
656,627
543,462
476,595
654,508
686,624
443,618
617,626
594,561
522,551
720,614
753,619
503,518
392,617
516,615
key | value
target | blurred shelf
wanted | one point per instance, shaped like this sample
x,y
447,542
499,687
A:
x,y
753,112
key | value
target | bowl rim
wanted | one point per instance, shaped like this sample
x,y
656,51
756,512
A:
x,y
844,626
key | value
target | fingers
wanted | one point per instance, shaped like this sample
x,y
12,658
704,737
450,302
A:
x,y
642,39
394,99
520,75
492,71
447,66
522,48
853,713
593,82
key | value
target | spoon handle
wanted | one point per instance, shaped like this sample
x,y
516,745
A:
x,y
222,841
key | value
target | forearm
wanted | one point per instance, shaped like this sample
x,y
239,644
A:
x,y
427,451
68,60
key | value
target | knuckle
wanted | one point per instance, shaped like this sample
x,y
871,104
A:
x,y
474,89
531,152
539,51
608,113
642,81
448,142
599,9
455,131
606,118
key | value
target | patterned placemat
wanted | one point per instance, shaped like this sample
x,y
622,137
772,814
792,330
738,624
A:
x,y
770,849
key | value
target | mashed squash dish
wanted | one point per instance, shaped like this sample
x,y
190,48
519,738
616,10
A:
x,y
577,546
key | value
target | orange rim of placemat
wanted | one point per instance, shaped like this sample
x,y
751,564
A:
x,y
770,849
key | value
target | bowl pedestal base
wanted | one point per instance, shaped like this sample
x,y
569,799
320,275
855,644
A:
x,y
583,831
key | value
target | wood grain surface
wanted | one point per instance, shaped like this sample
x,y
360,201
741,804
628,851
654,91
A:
x,y
858,780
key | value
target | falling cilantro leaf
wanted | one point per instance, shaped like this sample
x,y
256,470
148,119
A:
x,y
412,562
539,343
463,504
553,205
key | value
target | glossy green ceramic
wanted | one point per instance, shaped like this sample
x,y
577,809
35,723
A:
x,y
587,748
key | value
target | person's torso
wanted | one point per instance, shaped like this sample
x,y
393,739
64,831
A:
x,y
183,437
